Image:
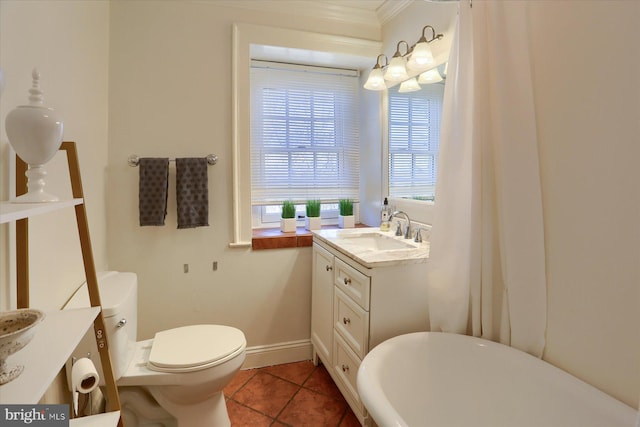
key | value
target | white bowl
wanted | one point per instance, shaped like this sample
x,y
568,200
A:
x,y
16,330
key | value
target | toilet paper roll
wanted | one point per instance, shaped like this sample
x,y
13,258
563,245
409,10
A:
x,y
84,376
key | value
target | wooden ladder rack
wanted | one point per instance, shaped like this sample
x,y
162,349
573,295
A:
x,y
22,267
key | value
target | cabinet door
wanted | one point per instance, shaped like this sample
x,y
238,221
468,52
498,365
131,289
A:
x,y
322,304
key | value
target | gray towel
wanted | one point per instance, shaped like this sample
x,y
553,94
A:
x,y
152,190
192,192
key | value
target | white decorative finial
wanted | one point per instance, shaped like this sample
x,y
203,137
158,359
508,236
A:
x,y
35,133
35,96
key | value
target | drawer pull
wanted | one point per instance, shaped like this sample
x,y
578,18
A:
x,y
346,320
347,281
345,369
328,267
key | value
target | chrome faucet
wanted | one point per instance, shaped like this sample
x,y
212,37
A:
x,y
407,231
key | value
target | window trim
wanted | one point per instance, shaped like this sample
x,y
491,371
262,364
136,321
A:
x,y
243,36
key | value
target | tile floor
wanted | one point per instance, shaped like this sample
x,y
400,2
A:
x,y
294,394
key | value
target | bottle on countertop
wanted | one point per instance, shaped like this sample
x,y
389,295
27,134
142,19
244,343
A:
x,y
385,213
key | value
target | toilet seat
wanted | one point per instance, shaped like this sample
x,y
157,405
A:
x,y
195,347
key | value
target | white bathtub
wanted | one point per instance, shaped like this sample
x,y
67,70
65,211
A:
x,y
437,379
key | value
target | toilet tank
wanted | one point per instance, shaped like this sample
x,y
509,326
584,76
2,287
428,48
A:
x,y
119,298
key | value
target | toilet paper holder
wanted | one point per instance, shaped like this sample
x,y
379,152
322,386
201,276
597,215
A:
x,y
88,383
74,359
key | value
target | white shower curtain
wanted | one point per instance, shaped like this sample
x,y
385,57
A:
x,y
487,263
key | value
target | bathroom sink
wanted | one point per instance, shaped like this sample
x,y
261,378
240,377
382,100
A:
x,y
374,248
376,242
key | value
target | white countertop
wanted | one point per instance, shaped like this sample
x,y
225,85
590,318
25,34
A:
x,y
372,258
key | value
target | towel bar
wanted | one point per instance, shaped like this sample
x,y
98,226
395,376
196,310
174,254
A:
x,y
134,160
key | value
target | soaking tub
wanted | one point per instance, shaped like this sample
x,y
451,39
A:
x,y
438,379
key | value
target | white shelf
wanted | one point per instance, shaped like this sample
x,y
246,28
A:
x,y
54,341
15,211
101,420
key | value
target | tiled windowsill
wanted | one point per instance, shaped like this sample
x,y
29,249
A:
x,y
273,238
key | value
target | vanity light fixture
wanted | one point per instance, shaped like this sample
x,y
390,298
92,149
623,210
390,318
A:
x,y
430,76
417,57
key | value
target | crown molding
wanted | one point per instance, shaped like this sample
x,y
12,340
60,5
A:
x,y
326,11
390,8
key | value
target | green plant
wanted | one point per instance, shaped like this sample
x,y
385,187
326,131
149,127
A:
x,y
288,209
313,208
346,207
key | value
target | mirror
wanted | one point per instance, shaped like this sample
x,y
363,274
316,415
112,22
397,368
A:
x,y
413,140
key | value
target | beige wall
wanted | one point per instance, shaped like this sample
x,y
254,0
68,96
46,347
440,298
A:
x,y
170,95
68,41
588,114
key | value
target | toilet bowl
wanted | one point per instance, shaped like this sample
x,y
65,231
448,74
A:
x,y
139,408
182,370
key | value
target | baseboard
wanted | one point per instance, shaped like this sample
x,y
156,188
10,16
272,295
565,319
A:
x,y
277,354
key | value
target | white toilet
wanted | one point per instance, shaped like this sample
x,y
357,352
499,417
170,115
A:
x,y
180,372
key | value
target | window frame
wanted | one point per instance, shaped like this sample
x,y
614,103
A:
x,y
243,37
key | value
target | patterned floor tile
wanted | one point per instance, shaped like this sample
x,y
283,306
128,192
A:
x,y
295,394
238,381
321,381
266,393
296,372
241,416
312,409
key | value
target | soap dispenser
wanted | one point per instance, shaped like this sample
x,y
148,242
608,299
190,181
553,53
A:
x,y
384,216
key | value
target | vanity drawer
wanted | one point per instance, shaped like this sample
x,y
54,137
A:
x,y
352,322
346,365
353,283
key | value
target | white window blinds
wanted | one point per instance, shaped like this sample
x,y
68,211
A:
x,y
304,133
414,139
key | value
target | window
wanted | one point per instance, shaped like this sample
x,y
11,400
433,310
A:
x,y
304,136
414,139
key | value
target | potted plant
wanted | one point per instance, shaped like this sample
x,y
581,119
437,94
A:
x,y
313,221
288,220
345,217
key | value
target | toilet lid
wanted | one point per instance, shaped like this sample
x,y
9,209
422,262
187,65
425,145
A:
x,y
190,348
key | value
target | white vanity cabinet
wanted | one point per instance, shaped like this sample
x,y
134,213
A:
x,y
356,307
322,304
